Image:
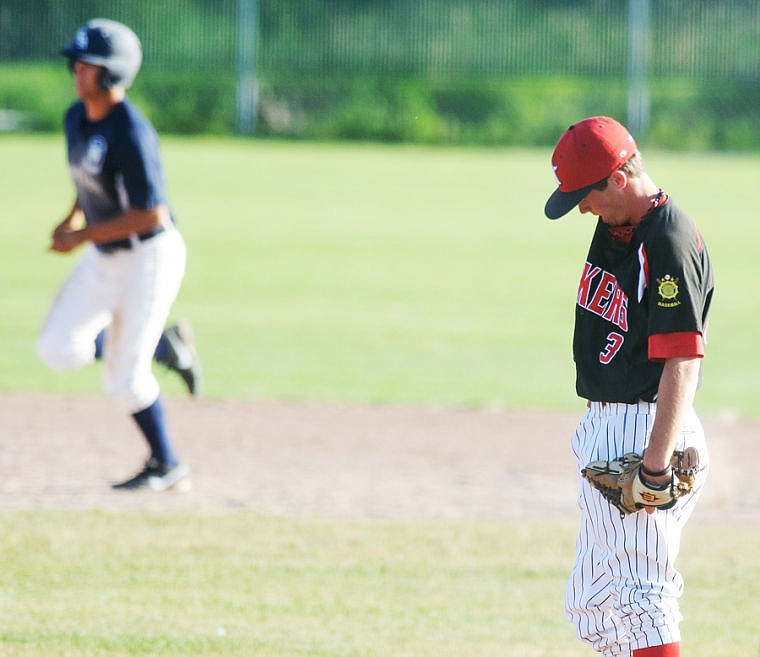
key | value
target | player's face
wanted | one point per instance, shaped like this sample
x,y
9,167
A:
x,y
86,79
607,204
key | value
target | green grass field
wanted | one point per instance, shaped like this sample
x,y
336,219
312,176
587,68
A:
x,y
378,273
112,585
370,274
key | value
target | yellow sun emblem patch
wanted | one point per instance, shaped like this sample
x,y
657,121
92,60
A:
x,y
667,288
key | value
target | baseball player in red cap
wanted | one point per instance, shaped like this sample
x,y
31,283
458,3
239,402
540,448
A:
x,y
640,335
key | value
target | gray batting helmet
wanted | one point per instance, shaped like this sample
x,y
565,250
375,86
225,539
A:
x,y
109,44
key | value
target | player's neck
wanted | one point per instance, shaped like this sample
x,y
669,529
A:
x,y
99,106
643,198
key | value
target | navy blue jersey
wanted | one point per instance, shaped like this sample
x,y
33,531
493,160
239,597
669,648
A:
x,y
639,303
114,162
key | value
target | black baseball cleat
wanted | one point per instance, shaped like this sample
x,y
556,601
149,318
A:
x,y
180,356
158,477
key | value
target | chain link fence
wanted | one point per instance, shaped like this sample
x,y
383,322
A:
x,y
694,38
447,41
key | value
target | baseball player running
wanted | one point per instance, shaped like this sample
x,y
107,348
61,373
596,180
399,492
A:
x,y
116,300
640,334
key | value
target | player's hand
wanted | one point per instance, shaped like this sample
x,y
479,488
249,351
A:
x,y
65,240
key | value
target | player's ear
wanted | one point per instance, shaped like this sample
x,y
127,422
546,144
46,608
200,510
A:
x,y
619,178
106,79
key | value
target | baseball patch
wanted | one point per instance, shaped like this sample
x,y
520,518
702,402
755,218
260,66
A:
x,y
667,288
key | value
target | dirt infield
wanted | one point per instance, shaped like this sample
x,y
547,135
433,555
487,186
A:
x,y
62,452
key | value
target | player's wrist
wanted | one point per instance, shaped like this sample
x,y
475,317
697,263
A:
x,y
655,483
657,479
652,473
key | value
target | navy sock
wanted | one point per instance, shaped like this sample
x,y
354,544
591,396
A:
x,y
159,356
161,353
151,423
99,342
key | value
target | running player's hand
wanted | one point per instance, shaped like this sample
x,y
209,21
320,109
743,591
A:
x,y
64,237
65,240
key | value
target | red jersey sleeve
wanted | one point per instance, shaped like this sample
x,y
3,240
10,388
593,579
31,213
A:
x,y
676,345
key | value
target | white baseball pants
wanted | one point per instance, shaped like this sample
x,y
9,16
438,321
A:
x,y
623,591
128,291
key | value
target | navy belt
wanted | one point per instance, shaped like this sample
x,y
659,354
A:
x,y
126,243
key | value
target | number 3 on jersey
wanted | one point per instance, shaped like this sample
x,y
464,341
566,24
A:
x,y
614,342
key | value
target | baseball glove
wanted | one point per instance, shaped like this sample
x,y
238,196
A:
x,y
621,484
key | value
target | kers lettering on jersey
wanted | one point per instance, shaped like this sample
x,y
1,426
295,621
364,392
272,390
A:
x,y
600,294
608,299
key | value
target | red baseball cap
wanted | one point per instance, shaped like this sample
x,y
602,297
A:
x,y
586,153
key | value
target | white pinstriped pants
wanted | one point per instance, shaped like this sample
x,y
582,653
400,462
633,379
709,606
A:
x,y
623,591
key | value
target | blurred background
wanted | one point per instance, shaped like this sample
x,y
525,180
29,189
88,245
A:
x,y
361,183
471,72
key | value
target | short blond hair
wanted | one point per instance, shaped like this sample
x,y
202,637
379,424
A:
x,y
633,167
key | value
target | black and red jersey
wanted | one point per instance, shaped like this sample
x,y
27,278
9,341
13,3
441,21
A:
x,y
640,301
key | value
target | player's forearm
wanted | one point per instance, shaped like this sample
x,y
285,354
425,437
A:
x,y
675,396
131,222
